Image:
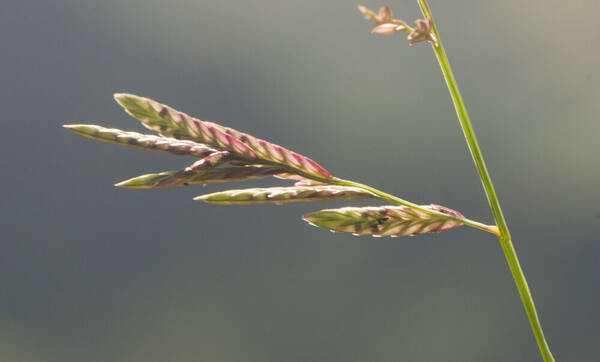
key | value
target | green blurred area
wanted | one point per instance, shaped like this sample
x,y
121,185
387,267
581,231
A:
x,y
94,273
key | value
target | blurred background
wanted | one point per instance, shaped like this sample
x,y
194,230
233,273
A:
x,y
90,272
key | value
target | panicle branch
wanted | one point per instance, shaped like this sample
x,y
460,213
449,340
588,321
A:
x,y
141,141
284,195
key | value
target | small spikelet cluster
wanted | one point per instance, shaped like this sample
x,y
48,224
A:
x,y
226,155
384,220
385,24
284,195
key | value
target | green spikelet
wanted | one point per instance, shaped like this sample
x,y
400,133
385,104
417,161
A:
x,y
384,220
284,195
192,177
171,123
148,181
141,141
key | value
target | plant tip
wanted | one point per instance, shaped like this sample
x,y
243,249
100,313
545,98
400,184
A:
x,y
122,98
368,14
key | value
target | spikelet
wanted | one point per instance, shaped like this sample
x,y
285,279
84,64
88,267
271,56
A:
x,y
384,15
388,29
207,163
171,123
367,13
183,177
142,141
211,161
283,195
383,220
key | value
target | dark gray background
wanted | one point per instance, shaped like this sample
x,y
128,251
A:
x,y
89,272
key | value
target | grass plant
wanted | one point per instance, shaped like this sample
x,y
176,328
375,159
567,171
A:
x,y
226,155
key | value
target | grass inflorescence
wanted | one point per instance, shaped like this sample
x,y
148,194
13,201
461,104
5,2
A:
x,y
225,155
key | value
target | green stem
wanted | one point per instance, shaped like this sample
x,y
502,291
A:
x,y
505,239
